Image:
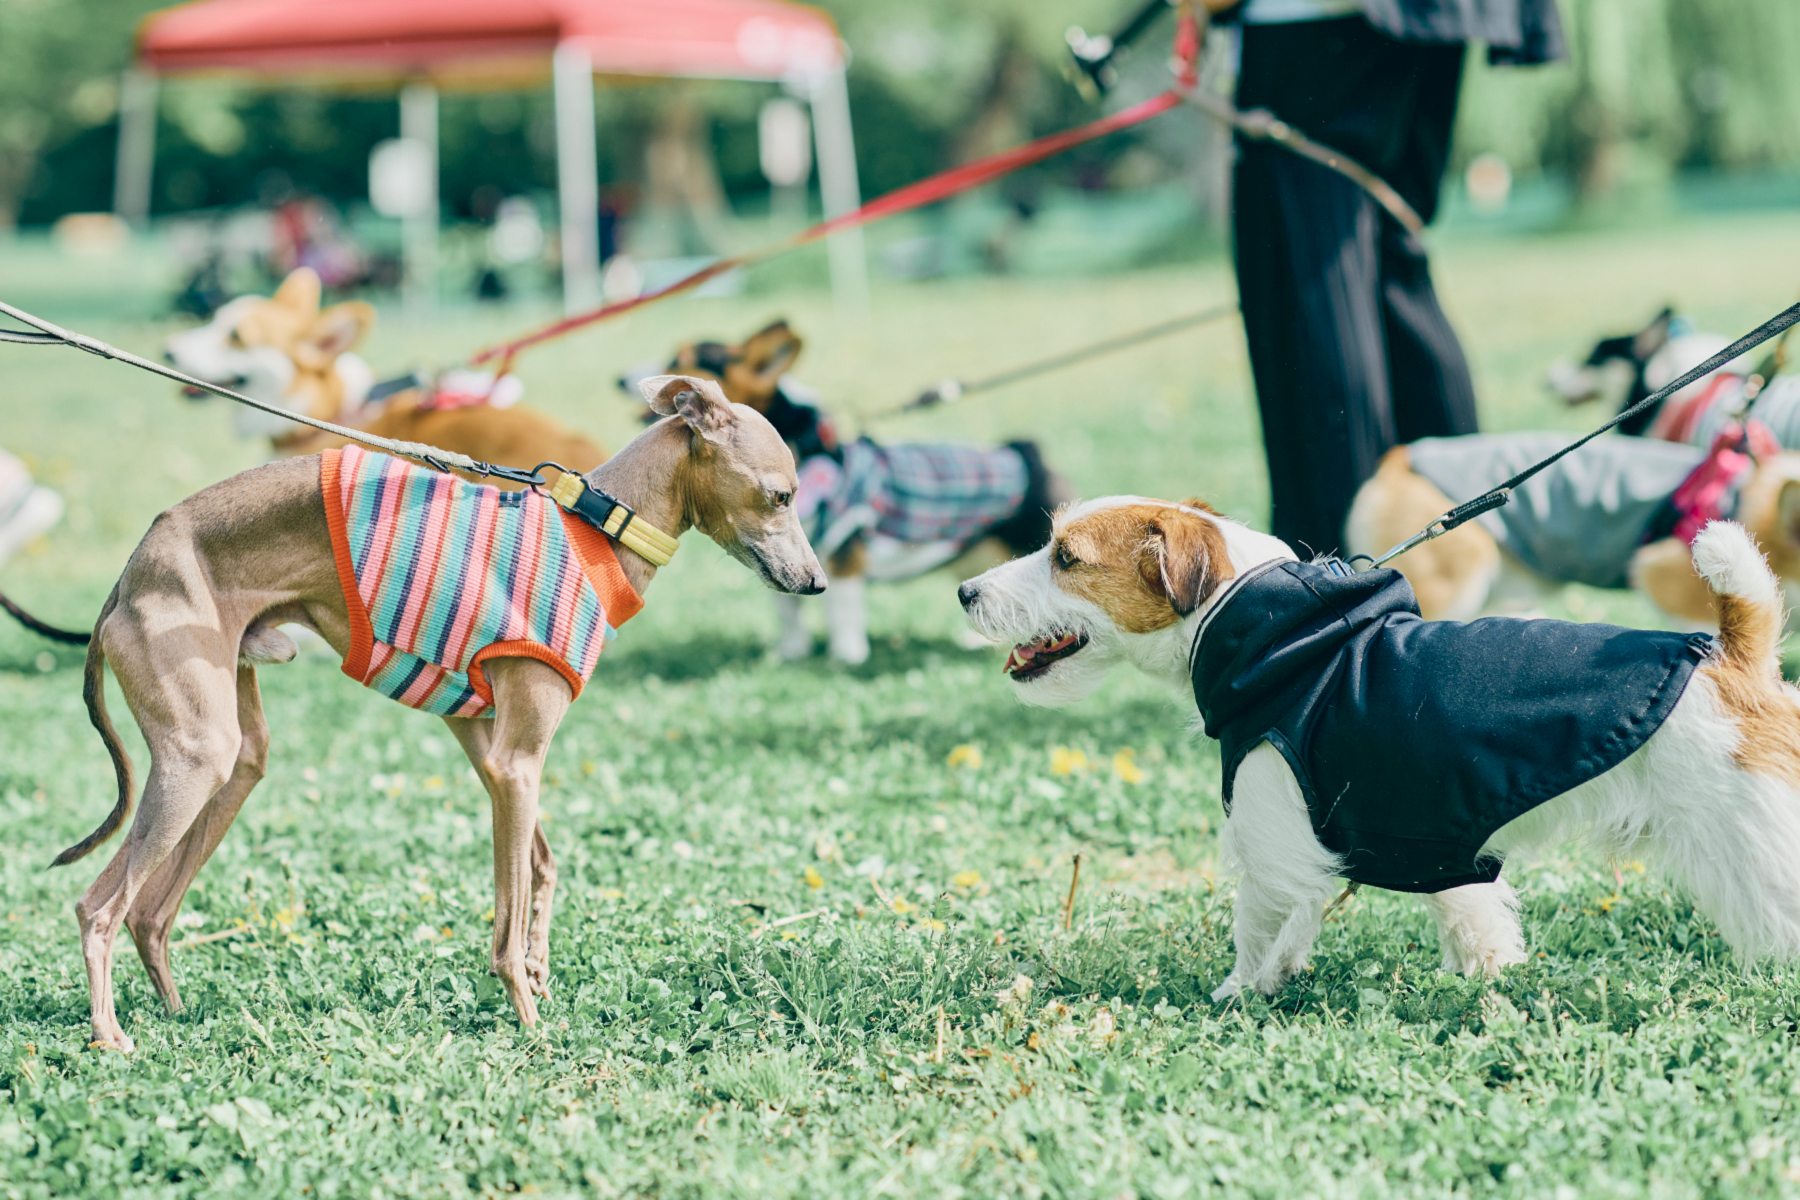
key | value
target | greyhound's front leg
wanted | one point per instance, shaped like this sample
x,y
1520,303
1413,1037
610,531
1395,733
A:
x,y
530,699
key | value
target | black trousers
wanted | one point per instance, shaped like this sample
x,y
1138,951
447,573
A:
x,y
1350,351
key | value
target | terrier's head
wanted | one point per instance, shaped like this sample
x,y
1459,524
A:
x,y
1122,578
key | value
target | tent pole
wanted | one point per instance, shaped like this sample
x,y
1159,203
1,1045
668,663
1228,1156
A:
x,y
419,231
839,190
136,157
577,176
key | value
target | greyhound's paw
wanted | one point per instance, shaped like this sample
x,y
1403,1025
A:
x,y
537,976
113,1039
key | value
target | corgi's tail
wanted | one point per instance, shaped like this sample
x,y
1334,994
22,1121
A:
x,y
1750,610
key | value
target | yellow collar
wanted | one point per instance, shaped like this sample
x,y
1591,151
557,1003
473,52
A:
x,y
616,519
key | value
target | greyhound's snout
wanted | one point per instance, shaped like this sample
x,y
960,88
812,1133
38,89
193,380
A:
x,y
967,594
814,586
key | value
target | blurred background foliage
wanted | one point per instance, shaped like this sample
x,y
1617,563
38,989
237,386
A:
x,y
1655,90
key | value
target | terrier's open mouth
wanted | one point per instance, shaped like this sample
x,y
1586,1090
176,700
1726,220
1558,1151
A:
x,y
1032,659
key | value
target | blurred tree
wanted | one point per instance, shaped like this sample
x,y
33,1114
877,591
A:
x,y
59,67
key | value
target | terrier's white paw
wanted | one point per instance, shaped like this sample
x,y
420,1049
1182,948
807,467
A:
x,y
1231,989
794,645
851,651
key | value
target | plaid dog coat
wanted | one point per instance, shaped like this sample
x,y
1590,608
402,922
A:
x,y
912,493
440,575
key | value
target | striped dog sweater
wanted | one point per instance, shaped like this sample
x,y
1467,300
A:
x,y
440,575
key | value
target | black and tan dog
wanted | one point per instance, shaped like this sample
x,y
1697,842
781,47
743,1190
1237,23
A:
x,y
880,512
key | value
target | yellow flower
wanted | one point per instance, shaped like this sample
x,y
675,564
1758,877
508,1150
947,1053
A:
x,y
933,924
1064,761
814,880
965,756
902,907
966,879
611,894
1124,765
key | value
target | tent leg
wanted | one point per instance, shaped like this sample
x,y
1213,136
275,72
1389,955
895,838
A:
x,y
839,189
136,158
419,232
577,177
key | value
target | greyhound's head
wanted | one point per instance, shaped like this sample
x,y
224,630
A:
x,y
736,482
282,350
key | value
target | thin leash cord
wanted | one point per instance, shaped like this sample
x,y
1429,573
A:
x,y
955,389
55,335
1498,496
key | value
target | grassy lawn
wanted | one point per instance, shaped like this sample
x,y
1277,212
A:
x,y
799,905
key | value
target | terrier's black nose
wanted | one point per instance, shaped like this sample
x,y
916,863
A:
x,y
967,594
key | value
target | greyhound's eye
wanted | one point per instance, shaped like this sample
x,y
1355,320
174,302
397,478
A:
x,y
781,499
1064,559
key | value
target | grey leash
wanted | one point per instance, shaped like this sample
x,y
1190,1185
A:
x,y
952,390
1490,500
48,334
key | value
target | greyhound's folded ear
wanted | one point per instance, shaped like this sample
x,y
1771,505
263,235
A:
x,y
699,402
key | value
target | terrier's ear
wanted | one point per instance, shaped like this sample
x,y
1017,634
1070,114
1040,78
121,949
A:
x,y
1179,557
300,291
699,402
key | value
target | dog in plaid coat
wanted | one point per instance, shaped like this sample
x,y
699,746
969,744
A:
x,y
880,513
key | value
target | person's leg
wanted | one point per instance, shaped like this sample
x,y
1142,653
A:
x,y
1433,395
1307,281
1307,251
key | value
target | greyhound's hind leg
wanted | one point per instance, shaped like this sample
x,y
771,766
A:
x,y
187,717
152,916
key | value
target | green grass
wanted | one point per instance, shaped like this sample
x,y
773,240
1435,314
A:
x,y
347,1040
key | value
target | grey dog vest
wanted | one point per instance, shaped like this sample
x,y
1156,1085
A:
x,y
1580,519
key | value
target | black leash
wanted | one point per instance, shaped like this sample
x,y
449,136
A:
x,y
1490,500
952,390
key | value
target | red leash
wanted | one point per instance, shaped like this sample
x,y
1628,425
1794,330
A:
x,y
914,195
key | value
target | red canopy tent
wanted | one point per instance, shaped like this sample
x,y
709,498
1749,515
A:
x,y
422,45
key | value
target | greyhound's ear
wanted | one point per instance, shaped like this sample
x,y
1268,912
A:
x,y
338,329
699,402
300,291
1183,557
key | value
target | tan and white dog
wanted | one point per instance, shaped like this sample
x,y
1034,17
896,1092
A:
x,y
1467,572
285,350
1712,796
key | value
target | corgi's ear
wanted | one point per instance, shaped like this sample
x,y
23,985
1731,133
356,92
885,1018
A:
x,y
338,329
300,291
699,402
1183,557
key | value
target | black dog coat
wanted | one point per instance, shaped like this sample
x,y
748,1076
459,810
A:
x,y
1415,740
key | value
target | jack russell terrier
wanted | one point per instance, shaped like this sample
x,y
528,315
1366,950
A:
x,y
876,512
1359,741
487,608
284,350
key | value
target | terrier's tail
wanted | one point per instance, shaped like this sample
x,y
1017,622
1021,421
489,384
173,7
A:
x,y
1749,600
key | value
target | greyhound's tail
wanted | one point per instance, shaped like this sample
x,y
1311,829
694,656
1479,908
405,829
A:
x,y
73,637
93,690
1749,600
